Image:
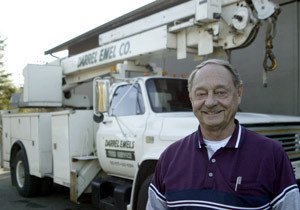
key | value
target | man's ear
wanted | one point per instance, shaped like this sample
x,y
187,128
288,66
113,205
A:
x,y
190,97
240,93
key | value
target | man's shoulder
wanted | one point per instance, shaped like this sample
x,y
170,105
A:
x,y
187,141
256,140
182,146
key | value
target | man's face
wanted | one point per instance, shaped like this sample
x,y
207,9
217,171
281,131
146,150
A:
x,y
214,97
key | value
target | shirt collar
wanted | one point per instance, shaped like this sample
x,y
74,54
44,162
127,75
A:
x,y
234,141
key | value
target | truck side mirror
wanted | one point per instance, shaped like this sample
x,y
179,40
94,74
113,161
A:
x,y
100,98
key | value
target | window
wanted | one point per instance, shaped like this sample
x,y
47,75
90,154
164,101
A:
x,y
168,95
127,100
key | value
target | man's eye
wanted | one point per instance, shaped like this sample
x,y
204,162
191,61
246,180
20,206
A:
x,y
221,93
200,94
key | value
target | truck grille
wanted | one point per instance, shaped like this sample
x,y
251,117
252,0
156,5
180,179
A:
x,y
287,135
289,142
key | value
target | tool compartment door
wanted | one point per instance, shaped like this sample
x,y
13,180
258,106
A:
x,y
72,136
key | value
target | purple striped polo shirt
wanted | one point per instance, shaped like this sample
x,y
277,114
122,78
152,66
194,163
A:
x,y
250,171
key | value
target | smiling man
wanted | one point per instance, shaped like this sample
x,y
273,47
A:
x,y
222,165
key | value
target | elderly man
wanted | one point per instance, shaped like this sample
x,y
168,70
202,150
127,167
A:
x,y
222,165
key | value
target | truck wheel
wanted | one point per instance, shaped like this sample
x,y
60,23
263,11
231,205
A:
x,y
143,193
26,184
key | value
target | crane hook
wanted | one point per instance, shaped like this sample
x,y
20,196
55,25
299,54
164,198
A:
x,y
270,62
272,65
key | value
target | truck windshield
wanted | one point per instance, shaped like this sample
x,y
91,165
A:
x,y
168,95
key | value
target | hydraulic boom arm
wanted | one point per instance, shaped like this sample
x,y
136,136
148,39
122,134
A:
x,y
200,27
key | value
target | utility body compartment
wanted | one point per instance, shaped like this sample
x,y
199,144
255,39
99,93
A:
x,y
42,86
60,145
73,139
34,131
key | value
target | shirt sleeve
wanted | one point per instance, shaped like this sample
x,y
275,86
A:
x,y
156,201
156,198
290,200
286,191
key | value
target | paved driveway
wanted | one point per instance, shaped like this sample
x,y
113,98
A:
x,y
58,200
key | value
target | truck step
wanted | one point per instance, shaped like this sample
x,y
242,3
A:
x,y
111,193
107,204
89,157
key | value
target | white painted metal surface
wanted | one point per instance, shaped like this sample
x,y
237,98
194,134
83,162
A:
x,y
206,10
6,142
20,173
252,118
164,17
264,8
34,131
72,136
143,43
120,144
42,85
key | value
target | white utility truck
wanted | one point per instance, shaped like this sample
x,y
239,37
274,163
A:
x,y
107,144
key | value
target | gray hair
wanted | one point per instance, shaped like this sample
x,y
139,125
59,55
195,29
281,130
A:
x,y
234,73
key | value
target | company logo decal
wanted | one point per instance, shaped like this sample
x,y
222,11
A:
x,y
103,54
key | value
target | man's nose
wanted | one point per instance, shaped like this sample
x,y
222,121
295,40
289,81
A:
x,y
210,101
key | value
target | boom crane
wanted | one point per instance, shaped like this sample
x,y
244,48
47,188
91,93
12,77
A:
x,y
200,27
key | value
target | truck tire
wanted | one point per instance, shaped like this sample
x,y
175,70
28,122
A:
x,y
26,185
143,193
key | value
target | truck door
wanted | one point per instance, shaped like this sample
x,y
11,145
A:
x,y
120,135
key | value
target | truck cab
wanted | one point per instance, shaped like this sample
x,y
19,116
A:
x,y
136,122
